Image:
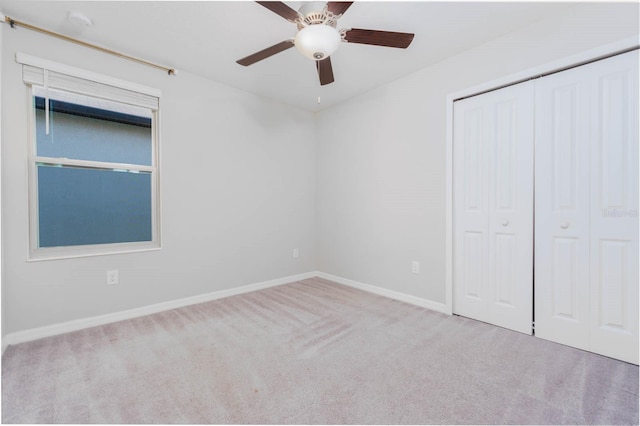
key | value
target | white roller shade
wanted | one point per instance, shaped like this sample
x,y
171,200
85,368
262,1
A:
x,y
85,82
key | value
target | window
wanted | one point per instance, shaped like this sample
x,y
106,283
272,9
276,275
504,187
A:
x,y
93,166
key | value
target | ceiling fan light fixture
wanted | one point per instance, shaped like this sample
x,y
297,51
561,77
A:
x,y
317,42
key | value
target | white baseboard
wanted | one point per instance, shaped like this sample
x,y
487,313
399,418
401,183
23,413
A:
x,y
66,327
396,295
69,326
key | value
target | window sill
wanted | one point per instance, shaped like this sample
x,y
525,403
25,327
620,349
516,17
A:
x,y
58,253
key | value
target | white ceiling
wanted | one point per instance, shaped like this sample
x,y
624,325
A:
x,y
207,37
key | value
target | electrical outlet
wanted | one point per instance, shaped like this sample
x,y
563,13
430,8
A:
x,y
112,277
296,253
415,267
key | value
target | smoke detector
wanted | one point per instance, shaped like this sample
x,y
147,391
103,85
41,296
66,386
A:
x,y
79,19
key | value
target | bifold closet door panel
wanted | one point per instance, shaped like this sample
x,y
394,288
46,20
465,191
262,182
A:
x,y
493,207
614,207
562,203
471,211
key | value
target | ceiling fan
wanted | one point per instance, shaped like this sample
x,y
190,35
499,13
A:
x,y
317,37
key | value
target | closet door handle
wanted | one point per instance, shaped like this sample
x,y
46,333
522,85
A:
x,y
564,225
505,222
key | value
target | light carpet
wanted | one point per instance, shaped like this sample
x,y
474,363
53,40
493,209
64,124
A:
x,y
307,353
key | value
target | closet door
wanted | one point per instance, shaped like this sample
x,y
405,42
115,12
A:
x,y
493,207
586,252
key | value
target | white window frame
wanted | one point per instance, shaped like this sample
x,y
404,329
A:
x,y
124,92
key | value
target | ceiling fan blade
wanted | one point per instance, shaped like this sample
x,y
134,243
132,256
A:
x,y
338,7
379,38
325,71
265,53
281,9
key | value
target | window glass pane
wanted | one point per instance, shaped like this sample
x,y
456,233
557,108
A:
x,y
87,206
84,128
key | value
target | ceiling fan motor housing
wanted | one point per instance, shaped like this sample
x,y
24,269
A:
x,y
317,37
314,13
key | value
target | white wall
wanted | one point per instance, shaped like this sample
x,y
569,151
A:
x,y
238,194
381,156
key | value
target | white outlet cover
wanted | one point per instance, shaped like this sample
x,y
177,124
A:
x,y
112,277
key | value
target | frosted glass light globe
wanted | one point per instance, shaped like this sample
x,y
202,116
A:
x,y
317,42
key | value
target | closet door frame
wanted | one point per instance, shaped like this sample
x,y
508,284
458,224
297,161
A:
x,y
592,55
